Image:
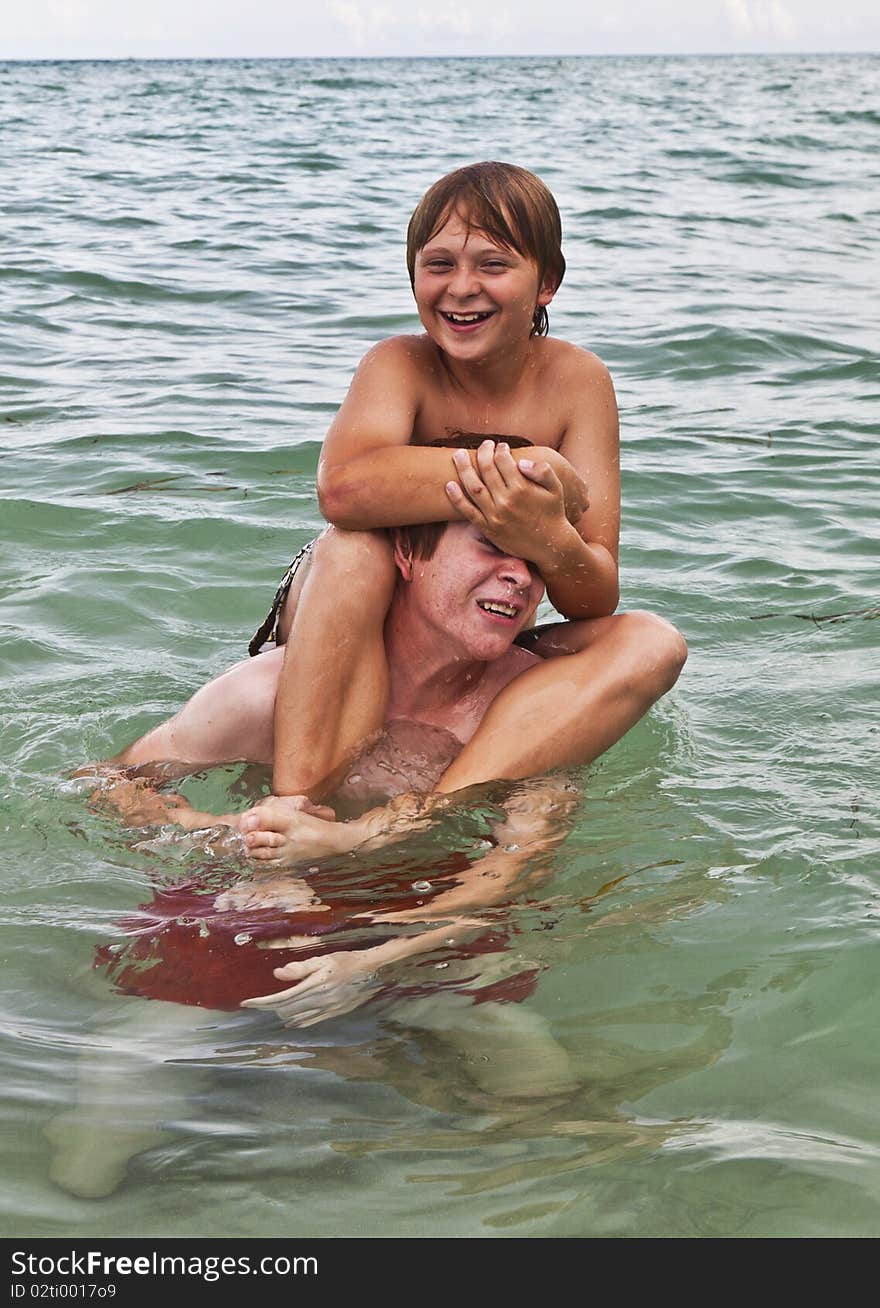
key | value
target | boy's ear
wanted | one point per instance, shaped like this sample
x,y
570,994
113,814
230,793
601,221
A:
x,y
547,291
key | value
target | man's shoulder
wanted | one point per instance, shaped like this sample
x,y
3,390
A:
x,y
515,662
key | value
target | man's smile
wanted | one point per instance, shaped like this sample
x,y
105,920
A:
x,y
504,609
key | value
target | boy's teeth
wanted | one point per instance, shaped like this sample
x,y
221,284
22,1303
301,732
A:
x,y
492,606
466,317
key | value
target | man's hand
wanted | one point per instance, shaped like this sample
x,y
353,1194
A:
x,y
290,894
326,987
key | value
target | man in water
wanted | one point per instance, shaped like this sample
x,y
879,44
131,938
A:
x,y
458,606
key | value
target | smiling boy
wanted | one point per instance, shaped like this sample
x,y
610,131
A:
x,y
485,260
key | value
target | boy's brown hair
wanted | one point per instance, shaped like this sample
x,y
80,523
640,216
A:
x,y
508,204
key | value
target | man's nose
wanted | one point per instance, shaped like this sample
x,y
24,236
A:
x,y
515,572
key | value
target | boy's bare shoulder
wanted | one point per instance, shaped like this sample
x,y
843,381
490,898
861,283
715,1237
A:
x,y
396,352
568,362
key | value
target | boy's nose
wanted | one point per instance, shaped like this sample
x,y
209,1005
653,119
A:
x,y
463,283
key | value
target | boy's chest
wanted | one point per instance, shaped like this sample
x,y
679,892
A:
x,y
542,421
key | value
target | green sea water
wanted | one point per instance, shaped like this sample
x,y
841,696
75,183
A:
x,y
193,257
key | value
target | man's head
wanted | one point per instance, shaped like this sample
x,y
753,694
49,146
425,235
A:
x,y
509,205
455,583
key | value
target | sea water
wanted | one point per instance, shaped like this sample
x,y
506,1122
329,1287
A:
x,y
194,257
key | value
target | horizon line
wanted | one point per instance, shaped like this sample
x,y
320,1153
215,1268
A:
x,y
291,58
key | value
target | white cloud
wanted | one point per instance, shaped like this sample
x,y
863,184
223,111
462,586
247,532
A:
x,y
363,22
761,18
289,28
450,17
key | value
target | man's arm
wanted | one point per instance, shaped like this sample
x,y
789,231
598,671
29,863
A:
x,y
537,820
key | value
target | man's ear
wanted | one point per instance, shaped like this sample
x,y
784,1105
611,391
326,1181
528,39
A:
x,y
403,556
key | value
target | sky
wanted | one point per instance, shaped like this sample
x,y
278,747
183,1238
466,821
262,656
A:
x,y
119,29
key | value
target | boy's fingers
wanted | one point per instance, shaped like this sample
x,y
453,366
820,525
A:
x,y
489,470
541,474
465,507
470,479
506,463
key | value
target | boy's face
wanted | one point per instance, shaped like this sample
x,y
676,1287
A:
x,y
475,298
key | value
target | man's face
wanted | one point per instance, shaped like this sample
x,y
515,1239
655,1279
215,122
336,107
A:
x,y
478,598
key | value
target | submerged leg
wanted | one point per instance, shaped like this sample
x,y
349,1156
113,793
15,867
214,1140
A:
x,y
128,1085
333,688
569,709
508,1050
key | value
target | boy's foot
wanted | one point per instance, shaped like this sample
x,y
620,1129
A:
x,y
284,830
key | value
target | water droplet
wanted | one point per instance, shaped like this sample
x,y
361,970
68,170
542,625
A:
x,y
421,887
440,965
243,938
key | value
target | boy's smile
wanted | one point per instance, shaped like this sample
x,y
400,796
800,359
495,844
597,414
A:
x,y
467,288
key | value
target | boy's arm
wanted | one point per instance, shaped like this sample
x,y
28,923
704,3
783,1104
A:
x,y
591,444
518,505
370,475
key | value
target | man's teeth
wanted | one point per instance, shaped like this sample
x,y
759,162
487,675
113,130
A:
x,y
495,606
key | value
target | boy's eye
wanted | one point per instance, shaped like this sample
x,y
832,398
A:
x,y
495,264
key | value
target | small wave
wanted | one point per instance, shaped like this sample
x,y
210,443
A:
x,y
347,83
773,177
841,118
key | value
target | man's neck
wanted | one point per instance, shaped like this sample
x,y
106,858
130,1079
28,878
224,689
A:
x,y
428,675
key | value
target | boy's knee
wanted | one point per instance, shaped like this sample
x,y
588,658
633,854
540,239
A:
x,y
355,557
659,649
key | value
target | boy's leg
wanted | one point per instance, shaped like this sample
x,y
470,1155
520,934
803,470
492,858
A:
x,y
569,709
333,688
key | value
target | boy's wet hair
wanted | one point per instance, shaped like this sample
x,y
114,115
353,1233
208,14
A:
x,y
509,205
421,540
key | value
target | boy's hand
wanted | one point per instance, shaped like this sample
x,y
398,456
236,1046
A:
x,y
520,508
574,488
